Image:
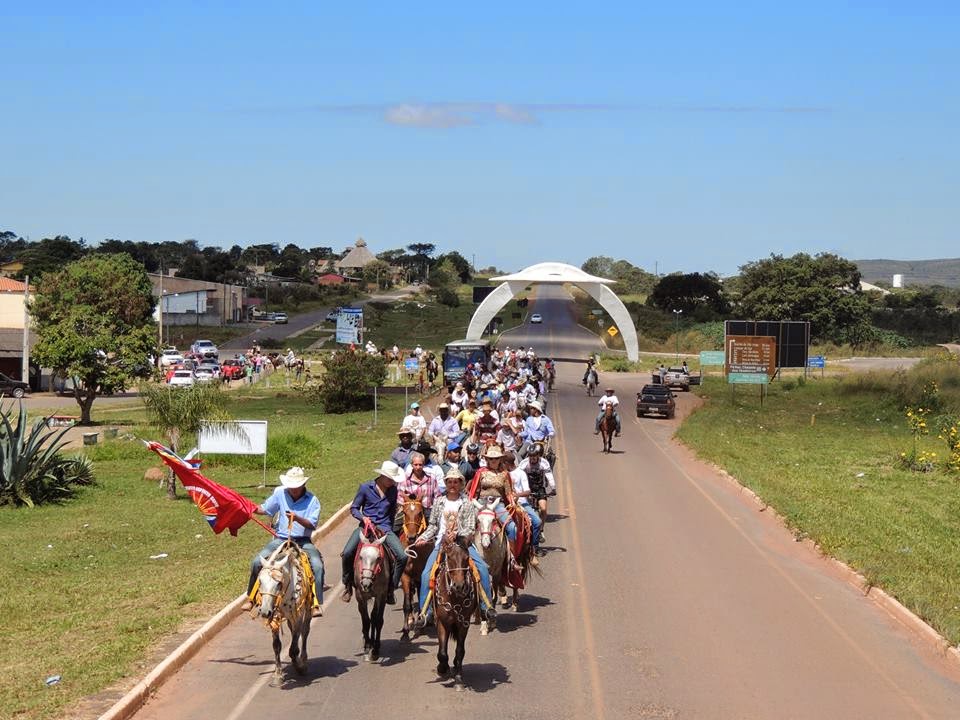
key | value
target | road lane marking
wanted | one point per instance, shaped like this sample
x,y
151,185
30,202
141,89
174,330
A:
x,y
599,711
250,694
811,601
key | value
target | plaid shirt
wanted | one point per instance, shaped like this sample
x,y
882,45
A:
x,y
466,521
425,490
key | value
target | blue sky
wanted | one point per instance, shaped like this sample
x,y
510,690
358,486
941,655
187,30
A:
x,y
696,138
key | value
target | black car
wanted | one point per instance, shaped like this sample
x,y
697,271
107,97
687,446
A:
x,y
16,388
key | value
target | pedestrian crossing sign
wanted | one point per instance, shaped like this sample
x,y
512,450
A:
x,y
612,331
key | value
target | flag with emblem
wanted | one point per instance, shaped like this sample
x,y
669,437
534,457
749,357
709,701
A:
x,y
223,507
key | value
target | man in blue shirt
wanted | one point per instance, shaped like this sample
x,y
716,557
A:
x,y
377,501
291,497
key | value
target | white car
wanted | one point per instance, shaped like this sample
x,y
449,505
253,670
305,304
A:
x,y
280,318
170,356
536,318
205,348
207,371
181,378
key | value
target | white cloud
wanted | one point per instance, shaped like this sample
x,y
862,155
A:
x,y
426,116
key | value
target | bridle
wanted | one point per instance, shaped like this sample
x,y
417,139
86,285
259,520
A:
x,y
493,526
413,505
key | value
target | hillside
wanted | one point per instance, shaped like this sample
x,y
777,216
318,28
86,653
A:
x,y
915,272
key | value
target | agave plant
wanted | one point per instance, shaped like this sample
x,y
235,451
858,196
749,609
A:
x,y
32,468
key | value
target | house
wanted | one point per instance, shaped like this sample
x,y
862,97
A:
x,y
355,260
330,279
9,269
189,302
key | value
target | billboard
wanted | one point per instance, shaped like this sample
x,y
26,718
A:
x,y
480,292
750,354
792,338
349,325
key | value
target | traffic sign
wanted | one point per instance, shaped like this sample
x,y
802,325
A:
x,y
411,365
748,378
612,331
817,361
712,357
751,354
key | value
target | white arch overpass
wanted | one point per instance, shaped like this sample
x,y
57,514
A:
x,y
555,273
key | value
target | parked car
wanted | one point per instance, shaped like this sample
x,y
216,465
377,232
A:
x,y
675,377
16,388
280,318
231,370
332,315
181,378
536,318
170,356
205,348
656,399
207,371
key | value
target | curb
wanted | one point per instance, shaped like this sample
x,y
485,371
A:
x,y
884,600
129,704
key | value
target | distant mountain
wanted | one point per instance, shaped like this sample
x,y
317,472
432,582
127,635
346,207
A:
x,y
915,272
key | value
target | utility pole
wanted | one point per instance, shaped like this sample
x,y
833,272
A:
x,y
25,365
160,312
676,314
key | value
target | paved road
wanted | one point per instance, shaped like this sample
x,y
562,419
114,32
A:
x,y
666,594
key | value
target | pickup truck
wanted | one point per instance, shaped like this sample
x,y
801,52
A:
x,y
675,377
656,399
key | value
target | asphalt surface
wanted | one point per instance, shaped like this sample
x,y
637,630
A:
x,y
666,593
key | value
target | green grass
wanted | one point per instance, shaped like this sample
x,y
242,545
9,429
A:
x,y
823,454
83,600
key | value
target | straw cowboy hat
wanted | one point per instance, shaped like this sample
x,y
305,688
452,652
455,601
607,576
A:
x,y
293,478
493,451
390,469
454,474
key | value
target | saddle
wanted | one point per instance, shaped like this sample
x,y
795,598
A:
x,y
308,581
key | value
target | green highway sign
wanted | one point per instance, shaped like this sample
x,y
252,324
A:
x,y
712,357
740,378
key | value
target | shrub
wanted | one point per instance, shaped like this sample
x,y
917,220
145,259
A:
x,y
32,469
348,382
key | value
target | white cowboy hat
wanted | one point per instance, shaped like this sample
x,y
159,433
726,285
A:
x,y
390,469
293,478
534,406
493,451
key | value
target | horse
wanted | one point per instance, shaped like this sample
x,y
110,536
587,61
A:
x,y
454,603
371,581
285,594
608,425
491,541
414,523
592,382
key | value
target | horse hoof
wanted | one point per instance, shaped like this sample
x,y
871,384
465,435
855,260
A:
x,y
459,686
405,636
442,670
374,657
484,628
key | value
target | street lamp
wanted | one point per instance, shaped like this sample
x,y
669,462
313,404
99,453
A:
x,y
677,314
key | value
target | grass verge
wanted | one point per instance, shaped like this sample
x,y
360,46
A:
x,y
83,591
824,453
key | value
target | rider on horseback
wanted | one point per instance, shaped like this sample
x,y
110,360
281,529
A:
x,y
536,428
608,399
291,498
455,516
376,501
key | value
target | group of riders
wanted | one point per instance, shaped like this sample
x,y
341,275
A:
x,y
484,464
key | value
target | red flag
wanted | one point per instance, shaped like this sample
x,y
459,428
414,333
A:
x,y
224,508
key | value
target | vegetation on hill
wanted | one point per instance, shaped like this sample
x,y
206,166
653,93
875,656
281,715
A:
x,y
945,272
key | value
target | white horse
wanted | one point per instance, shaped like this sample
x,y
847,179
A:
x,y
491,541
285,594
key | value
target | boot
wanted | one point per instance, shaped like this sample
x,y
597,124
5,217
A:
x,y
347,594
392,597
317,611
247,605
534,560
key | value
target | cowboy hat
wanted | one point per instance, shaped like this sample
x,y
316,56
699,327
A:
x,y
390,469
405,431
454,474
443,406
534,406
493,451
293,478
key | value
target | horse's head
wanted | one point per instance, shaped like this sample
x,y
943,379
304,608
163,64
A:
x,y
274,580
413,519
369,562
456,565
608,410
487,523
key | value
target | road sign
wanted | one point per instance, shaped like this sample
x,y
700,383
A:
x,y
817,361
751,354
612,331
598,313
349,325
712,357
748,378
412,365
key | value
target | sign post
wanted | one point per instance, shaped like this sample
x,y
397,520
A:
x,y
755,354
817,361
711,357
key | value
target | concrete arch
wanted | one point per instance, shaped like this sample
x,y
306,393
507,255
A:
x,y
556,274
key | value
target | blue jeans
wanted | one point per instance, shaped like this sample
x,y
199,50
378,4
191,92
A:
x,y
350,549
477,560
535,521
316,563
616,417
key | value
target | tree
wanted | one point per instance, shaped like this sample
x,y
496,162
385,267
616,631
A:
x,y
688,292
422,249
11,245
444,282
824,289
377,272
599,265
50,254
460,264
178,412
348,381
95,324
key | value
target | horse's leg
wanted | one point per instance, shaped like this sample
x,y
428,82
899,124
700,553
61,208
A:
x,y
277,669
365,623
379,605
407,605
443,665
461,631
304,634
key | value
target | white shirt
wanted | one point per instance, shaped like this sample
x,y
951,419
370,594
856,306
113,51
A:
x,y
507,439
547,472
520,484
608,400
417,423
449,508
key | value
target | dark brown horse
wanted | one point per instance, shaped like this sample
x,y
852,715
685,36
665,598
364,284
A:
x,y
608,426
414,523
454,602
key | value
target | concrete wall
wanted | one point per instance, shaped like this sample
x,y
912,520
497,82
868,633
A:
x,y
11,310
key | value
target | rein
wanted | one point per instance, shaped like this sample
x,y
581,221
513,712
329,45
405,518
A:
x,y
496,523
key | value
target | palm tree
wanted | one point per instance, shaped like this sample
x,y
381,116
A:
x,y
180,411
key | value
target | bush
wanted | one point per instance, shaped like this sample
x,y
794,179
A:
x,y
32,469
348,382
448,297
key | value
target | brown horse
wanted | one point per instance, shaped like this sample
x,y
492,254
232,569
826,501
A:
x,y
372,568
454,602
414,523
608,426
